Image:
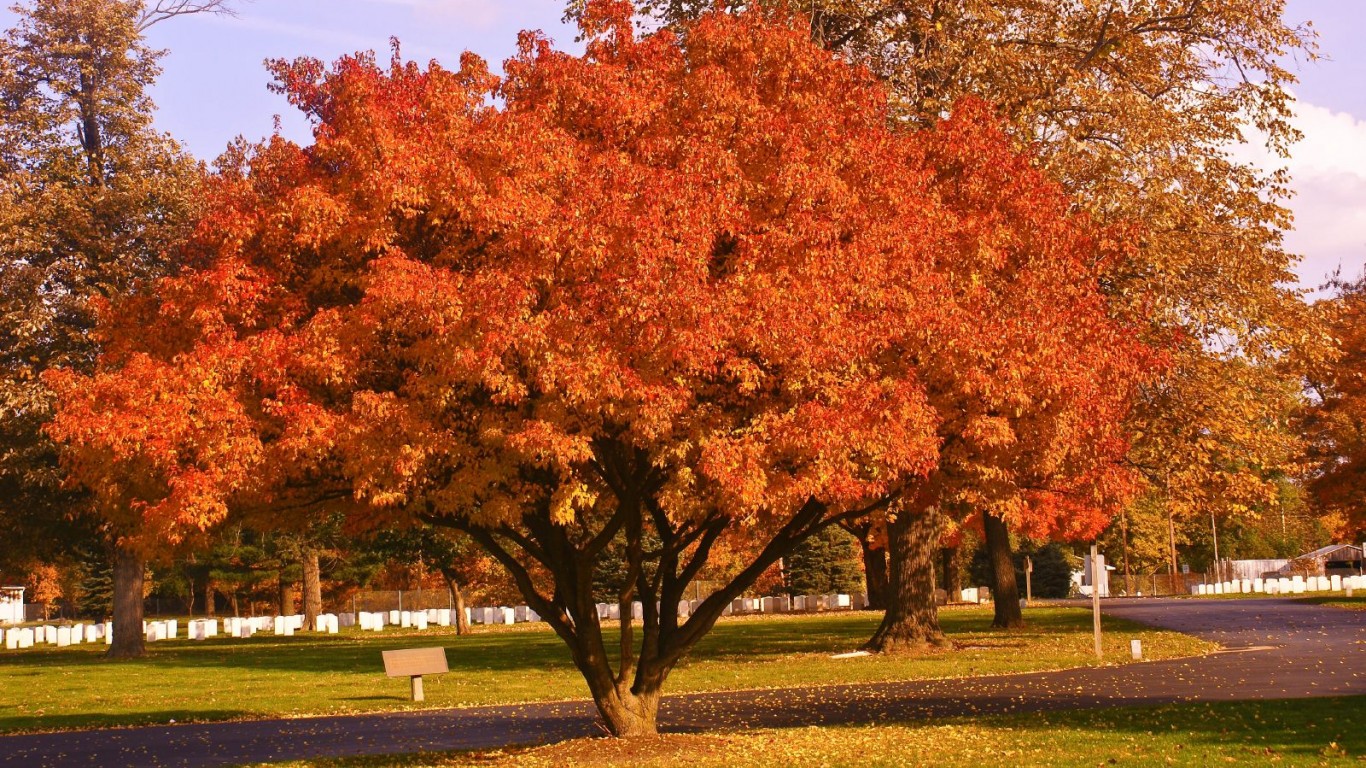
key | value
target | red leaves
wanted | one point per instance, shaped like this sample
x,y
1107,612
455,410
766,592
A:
x,y
717,253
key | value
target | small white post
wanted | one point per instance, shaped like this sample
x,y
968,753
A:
x,y
1136,647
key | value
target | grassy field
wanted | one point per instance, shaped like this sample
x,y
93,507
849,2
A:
x,y
224,679
1298,732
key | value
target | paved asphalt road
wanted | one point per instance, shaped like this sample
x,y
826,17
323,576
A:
x,y
1313,651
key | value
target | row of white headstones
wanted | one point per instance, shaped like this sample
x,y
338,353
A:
x,y
330,623
1285,585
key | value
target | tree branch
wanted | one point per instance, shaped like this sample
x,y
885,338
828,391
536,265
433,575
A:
x,y
161,10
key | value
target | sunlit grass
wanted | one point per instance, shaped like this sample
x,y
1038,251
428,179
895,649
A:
x,y
49,688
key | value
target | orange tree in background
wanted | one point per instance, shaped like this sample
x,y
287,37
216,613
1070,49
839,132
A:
x,y
1132,107
1334,423
678,291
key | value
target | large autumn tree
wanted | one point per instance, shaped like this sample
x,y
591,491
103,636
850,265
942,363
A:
x,y
675,293
92,199
1132,107
1334,423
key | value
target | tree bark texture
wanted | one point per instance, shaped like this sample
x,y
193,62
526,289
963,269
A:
x,y
313,588
284,601
462,623
874,573
1005,590
209,608
129,572
953,575
912,618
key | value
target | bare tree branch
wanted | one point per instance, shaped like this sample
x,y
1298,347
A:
x,y
158,11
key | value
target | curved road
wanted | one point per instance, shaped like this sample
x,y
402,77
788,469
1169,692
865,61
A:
x,y
1275,649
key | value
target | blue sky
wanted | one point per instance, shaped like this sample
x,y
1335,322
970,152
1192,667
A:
x,y
214,86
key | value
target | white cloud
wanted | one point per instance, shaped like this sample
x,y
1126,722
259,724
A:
x,y
1328,174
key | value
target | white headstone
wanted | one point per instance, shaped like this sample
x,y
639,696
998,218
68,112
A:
x,y
12,640
419,621
279,625
405,619
1258,585
443,617
506,616
393,617
1335,583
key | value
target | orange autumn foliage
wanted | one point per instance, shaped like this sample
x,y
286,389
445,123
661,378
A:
x,y
675,291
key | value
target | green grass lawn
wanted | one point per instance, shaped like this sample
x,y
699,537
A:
x,y
49,688
1355,602
1294,732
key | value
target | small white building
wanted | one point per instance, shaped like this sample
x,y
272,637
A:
x,y
11,605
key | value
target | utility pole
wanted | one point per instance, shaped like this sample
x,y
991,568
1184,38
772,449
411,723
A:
x,y
1218,568
1095,597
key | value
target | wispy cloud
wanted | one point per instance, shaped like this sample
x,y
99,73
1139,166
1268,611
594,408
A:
x,y
1328,175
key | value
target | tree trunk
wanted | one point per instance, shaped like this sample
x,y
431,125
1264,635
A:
x,y
284,603
953,575
1005,591
462,624
313,589
630,714
912,618
232,601
129,642
209,607
874,572
189,598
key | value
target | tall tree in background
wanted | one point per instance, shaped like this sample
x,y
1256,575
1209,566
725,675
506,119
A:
x,y
93,200
1133,107
1334,424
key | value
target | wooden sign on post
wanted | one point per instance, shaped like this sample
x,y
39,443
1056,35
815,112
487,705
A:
x,y
413,663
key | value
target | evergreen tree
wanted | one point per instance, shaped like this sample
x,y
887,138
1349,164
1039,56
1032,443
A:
x,y
827,563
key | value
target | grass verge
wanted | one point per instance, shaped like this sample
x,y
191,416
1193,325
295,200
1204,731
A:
x,y
227,679
1355,602
1289,732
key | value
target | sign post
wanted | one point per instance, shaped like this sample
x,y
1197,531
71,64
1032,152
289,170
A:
x,y
1095,596
1029,581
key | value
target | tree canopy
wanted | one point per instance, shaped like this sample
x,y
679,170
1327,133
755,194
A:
x,y
676,289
